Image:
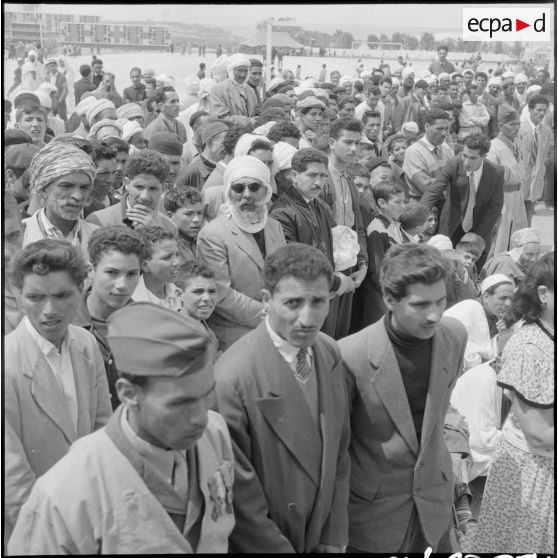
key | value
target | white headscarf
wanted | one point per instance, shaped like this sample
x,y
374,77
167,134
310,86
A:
x,y
236,61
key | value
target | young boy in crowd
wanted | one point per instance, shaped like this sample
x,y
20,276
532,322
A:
x,y
413,221
382,232
360,176
160,269
470,248
183,205
199,295
431,226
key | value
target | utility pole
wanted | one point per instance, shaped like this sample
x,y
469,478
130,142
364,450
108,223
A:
x,y
268,45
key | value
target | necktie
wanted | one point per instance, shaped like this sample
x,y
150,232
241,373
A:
x,y
535,145
303,369
436,152
468,219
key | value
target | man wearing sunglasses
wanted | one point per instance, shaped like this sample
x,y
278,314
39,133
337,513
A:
x,y
235,244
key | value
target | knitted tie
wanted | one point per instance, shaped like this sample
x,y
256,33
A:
x,y
303,369
535,145
468,219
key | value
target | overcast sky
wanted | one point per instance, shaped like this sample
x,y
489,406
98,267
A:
x,y
428,15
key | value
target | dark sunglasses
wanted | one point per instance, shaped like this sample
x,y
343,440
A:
x,y
239,188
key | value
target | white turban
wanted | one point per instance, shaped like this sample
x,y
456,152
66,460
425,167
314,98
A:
x,y
250,167
167,80
395,81
282,156
494,81
507,75
83,106
32,52
430,80
522,237
520,78
44,98
98,107
365,74
441,242
218,69
237,60
274,83
48,87
129,110
406,72
533,89
245,142
130,128
346,79
411,127
206,85
263,130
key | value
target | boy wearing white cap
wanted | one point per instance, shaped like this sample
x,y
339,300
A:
x,y
158,478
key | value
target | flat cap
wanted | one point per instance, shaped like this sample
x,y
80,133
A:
x,y
12,136
422,83
165,143
376,162
213,129
26,97
149,340
19,156
310,102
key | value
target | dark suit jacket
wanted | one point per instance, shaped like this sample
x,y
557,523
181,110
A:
x,y
291,474
489,198
390,470
81,86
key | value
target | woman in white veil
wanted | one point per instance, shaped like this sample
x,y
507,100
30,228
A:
x,y
64,68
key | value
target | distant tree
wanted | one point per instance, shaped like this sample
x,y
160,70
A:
x,y
517,49
412,43
373,38
342,39
498,47
384,38
427,41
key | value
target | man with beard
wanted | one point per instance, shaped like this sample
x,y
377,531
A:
x,y
407,83
184,207
104,159
235,244
198,171
146,174
233,98
62,175
343,199
281,390
168,105
170,148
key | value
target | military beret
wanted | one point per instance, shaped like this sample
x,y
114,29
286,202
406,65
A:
x,y
166,143
376,162
255,62
149,340
13,136
19,156
26,97
310,102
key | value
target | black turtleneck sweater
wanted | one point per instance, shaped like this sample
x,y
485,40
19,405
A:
x,y
414,358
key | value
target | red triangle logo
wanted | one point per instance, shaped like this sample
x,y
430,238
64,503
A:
x,y
519,25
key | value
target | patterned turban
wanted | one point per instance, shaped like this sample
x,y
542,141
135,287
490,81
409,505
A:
x,y
128,111
84,105
98,107
103,129
523,236
56,160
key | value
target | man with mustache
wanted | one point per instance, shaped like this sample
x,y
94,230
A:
x,y
234,246
146,174
281,389
61,175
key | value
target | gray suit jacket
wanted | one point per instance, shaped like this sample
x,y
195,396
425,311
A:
x,y
238,265
390,470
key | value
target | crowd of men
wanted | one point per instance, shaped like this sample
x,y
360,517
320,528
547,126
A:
x,y
235,315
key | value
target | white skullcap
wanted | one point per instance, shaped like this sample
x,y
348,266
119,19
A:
x,y
263,130
520,78
507,75
32,51
48,87
425,74
346,79
395,81
282,156
406,72
110,128
237,60
129,110
130,128
430,79
467,71
495,280
83,106
441,242
245,142
98,107
410,127
247,166
533,89
44,98
444,75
